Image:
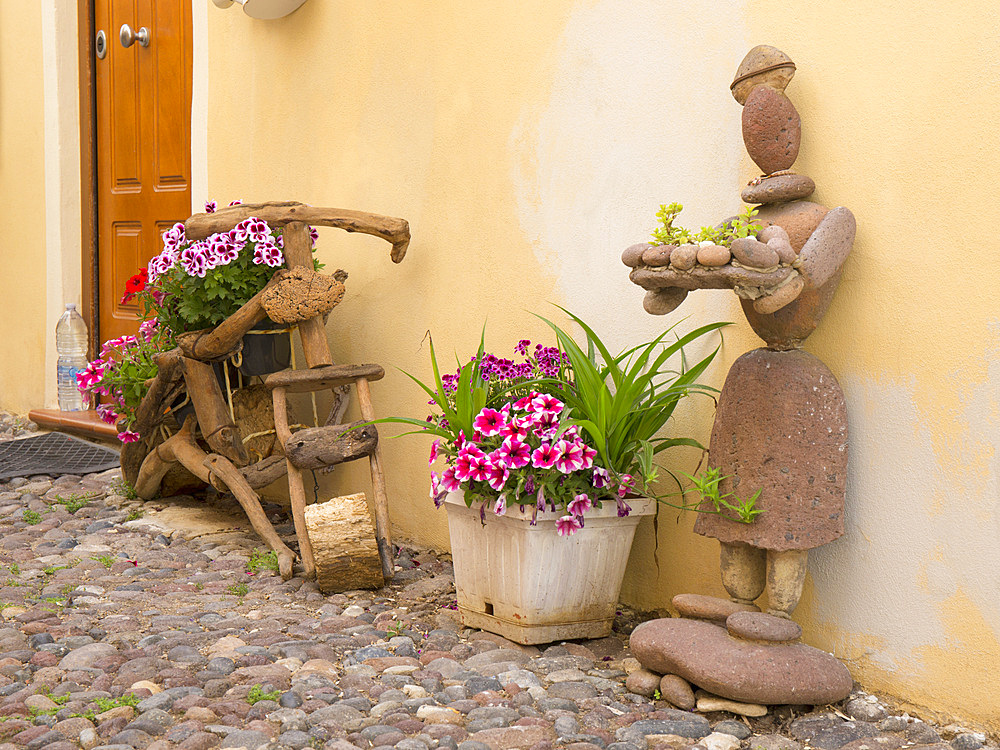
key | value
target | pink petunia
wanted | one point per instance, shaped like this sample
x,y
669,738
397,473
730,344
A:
x,y
516,428
210,207
515,453
435,484
489,422
580,505
568,525
570,456
589,454
496,475
523,403
546,404
434,452
544,456
467,454
128,436
500,506
107,413
449,481
479,468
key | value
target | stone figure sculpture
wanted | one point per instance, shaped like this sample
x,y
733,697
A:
x,y
781,424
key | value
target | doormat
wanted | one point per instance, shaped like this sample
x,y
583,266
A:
x,y
54,453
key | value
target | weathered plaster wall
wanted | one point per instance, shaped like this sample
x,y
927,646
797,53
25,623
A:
x,y
528,149
22,207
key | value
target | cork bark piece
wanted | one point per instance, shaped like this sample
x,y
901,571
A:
x,y
301,295
781,427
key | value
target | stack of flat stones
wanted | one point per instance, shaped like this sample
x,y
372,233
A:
x,y
720,655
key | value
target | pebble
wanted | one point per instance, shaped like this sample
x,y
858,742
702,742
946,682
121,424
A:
x,y
753,253
779,189
684,257
758,626
713,255
333,675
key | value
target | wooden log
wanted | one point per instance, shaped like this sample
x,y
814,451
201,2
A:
x,y
296,489
218,343
280,213
347,554
217,426
319,447
247,498
320,379
312,332
264,472
378,486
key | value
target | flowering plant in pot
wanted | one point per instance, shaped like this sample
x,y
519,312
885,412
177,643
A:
x,y
545,465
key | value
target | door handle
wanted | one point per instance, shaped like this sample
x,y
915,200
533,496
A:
x,y
129,37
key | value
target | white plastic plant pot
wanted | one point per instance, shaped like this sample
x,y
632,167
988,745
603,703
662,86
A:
x,y
531,585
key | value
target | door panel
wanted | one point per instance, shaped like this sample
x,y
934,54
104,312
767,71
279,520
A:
x,y
143,102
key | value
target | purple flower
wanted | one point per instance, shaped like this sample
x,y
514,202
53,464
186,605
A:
x,y
522,347
601,477
128,436
237,202
529,484
313,235
623,508
173,238
568,525
107,413
193,260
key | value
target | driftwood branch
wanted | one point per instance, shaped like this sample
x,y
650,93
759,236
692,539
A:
x,y
216,423
319,447
162,390
323,378
312,332
278,214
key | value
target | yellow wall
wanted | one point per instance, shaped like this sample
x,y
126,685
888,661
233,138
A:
x,y
22,209
527,149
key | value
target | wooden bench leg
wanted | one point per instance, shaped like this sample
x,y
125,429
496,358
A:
x,y
378,486
296,490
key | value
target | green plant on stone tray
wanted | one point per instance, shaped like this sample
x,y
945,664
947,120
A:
x,y
31,517
257,694
260,560
706,484
744,225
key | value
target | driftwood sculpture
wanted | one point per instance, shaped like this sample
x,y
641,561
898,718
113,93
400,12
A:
x,y
296,295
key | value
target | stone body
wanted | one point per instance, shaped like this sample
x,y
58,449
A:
x,y
781,427
772,129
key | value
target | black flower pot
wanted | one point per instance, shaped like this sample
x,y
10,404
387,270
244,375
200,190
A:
x,y
264,353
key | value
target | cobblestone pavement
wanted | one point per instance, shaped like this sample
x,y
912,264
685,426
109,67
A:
x,y
131,625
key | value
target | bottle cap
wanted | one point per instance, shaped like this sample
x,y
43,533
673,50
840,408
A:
x,y
70,305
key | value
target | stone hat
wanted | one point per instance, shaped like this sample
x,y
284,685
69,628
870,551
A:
x,y
763,64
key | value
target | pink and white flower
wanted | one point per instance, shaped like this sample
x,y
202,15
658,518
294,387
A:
x,y
546,404
515,453
580,505
489,422
544,456
568,525
570,456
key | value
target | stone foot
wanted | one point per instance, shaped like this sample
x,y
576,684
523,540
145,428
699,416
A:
x,y
786,575
743,571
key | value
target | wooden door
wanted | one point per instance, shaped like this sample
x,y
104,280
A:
x,y
143,121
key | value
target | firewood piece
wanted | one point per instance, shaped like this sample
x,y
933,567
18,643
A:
x,y
320,379
319,447
150,412
378,486
297,247
213,415
280,213
347,555
264,472
301,295
218,343
247,498
296,490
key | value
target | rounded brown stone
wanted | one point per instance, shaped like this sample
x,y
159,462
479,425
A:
x,y
643,682
663,301
779,189
784,249
713,255
762,64
708,607
799,219
657,255
759,626
772,129
772,232
632,255
781,297
781,428
707,656
752,253
829,245
684,257
677,691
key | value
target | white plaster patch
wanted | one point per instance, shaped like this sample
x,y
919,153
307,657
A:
x,y
639,113
900,558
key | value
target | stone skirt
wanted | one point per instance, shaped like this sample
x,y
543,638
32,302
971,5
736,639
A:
x,y
781,427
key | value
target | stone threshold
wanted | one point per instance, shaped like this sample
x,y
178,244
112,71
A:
x,y
84,423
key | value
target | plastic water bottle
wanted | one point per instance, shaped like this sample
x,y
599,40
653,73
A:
x,y
71,344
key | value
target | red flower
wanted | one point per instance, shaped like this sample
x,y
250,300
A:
x,y
135,284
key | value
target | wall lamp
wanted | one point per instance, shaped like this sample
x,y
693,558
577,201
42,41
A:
x,y
264,9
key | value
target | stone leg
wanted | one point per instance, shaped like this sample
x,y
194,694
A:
x,y
786,574
743,569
